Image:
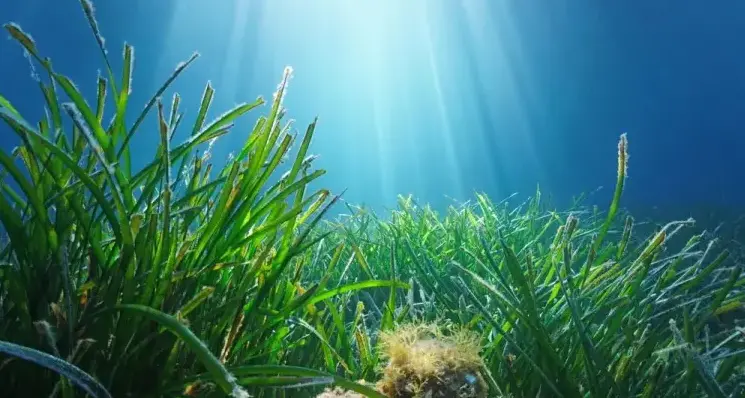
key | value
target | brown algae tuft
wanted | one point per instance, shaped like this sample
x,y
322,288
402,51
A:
x,y
423,361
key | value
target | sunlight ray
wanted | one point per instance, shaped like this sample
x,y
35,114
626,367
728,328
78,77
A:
x,y
446,132
235,47
499,49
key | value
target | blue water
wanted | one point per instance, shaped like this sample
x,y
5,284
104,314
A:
x,y
441,98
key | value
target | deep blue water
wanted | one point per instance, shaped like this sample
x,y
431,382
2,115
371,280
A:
x,y
442,98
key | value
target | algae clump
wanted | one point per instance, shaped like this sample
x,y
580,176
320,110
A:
x,y
423,361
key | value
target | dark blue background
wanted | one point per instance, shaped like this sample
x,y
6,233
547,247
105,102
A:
x,y
670,73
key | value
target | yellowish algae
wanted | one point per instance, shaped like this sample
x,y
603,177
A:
x,y
423,361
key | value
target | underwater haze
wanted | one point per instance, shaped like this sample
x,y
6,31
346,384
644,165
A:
x,y
441,99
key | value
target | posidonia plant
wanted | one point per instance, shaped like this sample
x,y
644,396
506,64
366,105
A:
x,y
571,303
131,280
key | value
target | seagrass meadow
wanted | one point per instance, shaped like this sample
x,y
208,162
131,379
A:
x,y
186,279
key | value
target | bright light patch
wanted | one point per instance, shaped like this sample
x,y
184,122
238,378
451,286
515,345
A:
x,y
388,79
